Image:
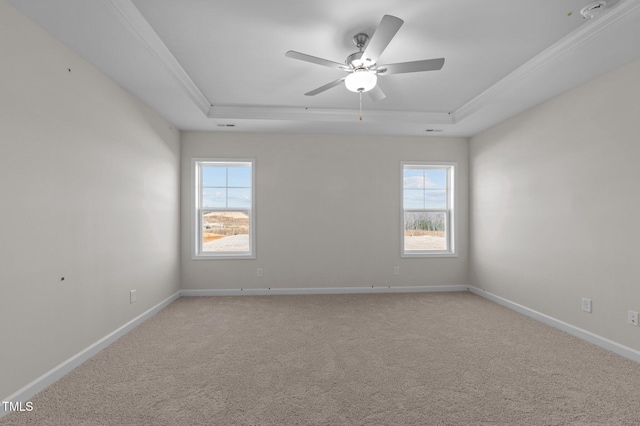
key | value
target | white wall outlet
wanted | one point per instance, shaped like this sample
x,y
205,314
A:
x,y
259,272
586,304
396,270
633,318
132,296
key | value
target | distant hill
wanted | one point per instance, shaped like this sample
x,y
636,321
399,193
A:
x,y
231,215
223,224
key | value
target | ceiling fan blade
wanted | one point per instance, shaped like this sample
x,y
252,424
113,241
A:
x,y
415,66
315,60
387,29
327,86
376,94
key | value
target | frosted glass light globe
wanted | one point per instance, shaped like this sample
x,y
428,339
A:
x,y
361,80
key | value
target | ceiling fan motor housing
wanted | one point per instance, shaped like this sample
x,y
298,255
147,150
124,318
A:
x,y
355,60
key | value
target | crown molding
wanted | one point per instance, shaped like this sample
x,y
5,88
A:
x,y
129,15
325,114
590,29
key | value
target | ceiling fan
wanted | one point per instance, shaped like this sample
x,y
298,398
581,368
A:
x,y
362,67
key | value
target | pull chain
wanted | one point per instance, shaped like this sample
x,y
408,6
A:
x,y
360,105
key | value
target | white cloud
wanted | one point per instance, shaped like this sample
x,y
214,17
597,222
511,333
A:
x,y
418,182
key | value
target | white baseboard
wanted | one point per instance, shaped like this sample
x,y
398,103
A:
x,y
580,333
55,374
323,290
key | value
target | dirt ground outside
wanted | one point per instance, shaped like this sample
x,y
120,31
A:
x,y
241,243
230,243
420,232
425,242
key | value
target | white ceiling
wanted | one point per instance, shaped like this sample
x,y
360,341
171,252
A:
x,y
203,64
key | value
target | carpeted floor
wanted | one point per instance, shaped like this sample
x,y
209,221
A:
x,y
380,359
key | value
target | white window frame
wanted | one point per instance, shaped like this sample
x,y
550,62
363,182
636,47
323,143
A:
x,y
451,216
197,209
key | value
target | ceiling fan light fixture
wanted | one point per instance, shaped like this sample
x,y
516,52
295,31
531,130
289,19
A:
x,y
361,80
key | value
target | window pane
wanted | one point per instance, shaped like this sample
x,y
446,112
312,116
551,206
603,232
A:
x,y
425,231
436,178
214,197
214,176
413,199
225,231
240,177
435,199
413,178
239,197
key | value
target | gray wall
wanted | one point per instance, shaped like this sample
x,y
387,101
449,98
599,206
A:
x,y
556,205
89,181
328,212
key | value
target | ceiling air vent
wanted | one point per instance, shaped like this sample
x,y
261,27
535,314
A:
x,y
591,10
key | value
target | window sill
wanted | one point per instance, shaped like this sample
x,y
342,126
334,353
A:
x,y
223,257
423,255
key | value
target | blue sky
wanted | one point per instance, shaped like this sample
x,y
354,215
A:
x,y
424,188
226,186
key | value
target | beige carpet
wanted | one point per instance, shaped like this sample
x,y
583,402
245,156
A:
x,y
400,359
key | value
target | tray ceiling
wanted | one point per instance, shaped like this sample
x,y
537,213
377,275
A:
x,y
220,65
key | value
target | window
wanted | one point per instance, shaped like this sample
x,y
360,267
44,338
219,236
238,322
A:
x,y
428,213
224,209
